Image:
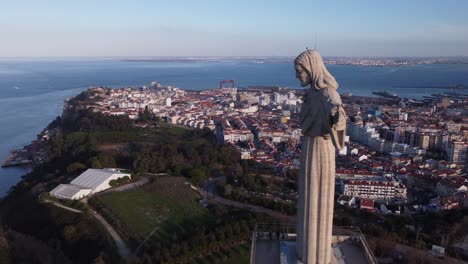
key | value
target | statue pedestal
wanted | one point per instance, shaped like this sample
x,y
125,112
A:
x,y
348,246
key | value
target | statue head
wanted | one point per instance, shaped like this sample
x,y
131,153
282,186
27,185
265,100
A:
x,y
303,75
310,69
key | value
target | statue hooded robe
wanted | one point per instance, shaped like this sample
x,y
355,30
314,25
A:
x,y
322,110
323,123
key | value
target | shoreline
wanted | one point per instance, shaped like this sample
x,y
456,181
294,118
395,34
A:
x,y
35,150
346,91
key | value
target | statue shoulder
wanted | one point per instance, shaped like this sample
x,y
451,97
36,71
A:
x,y
332,96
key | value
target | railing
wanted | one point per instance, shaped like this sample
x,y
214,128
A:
x,y
253,248
288,232
281,228
356,232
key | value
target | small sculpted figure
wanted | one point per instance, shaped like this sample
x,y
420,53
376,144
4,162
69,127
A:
x,y
323,122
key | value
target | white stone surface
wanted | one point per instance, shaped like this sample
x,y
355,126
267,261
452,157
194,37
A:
x,y
323,123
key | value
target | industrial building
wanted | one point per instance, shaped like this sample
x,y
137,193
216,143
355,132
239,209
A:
x,y
89,182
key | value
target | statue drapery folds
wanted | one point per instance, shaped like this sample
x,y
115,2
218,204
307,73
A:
x,y
323,122
322,111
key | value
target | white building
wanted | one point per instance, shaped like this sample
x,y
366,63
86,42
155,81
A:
x,y
168,101
376,190
89,182
70,191
457,152
237,135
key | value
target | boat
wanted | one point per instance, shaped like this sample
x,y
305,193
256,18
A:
x,y
346,95
416,102
456,95
438,95
387,94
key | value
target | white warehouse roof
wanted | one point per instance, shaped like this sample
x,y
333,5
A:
x,y
70,191
93,178
89,182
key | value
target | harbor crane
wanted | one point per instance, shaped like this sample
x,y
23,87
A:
x,y
226,81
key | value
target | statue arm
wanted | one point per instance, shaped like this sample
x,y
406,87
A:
x,y
337,117
334,107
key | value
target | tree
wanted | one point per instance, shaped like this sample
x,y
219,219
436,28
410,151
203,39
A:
x,y
236,228
70,233
107,160
149,162
95,163
229,230
227,190
75,167
198,175
166,255
4,248
113,183
220,234
145,116
99,260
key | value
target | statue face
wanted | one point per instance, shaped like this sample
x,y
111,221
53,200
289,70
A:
x,y
302,75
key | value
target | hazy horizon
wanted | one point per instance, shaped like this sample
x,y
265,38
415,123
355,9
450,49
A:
x,y
240,57
242,28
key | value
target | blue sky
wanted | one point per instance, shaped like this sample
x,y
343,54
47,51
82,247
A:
x,y
232,28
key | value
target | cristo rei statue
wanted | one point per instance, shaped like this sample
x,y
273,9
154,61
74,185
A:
x,y
323,122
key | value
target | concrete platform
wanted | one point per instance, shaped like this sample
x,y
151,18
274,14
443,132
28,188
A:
x,y
277,248
267,251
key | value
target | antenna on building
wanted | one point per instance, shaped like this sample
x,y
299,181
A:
x,y
315,44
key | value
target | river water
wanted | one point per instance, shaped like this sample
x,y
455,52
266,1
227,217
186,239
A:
x,y
32,91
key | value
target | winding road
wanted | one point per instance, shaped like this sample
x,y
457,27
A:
x,y
209,192
122,248
62,206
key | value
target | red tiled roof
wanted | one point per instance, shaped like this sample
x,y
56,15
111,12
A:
x,y
453,182
367,203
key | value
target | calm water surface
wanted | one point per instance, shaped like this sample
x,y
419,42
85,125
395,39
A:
x,y
32,92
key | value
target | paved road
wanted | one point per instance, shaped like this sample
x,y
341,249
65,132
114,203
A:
x,y
122,248
63,206
211,185
254,208
126,187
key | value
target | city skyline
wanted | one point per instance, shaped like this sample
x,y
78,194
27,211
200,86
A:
x,y
243,28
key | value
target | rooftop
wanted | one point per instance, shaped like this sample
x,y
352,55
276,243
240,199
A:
x,y
67,190
92,178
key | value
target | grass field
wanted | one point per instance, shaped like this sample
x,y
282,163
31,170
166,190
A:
x,y
164,203
173,129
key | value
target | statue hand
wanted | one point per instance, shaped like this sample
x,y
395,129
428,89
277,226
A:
x,y
335,116
338,117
